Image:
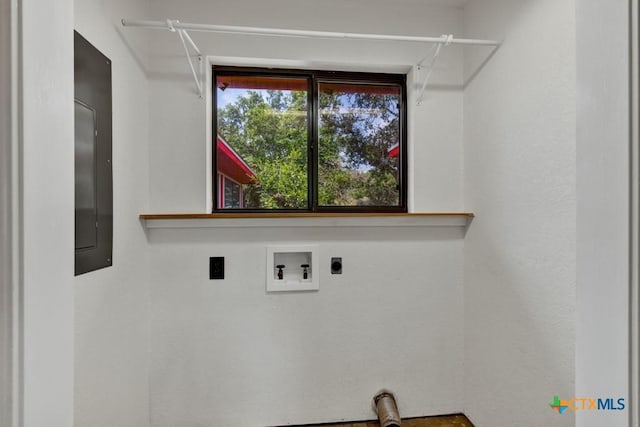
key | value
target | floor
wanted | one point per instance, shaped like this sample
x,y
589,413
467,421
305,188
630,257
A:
x,y
444,421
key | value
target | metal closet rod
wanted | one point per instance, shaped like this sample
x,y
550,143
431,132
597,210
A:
x,y
176,25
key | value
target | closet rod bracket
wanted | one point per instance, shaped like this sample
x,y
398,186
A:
x,y
430,60
181,29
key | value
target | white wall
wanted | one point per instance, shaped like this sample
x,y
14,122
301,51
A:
x,y
47,213
112,326
225,353
520,253
602,335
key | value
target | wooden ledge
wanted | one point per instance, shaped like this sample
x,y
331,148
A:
x,y
307,219
303,215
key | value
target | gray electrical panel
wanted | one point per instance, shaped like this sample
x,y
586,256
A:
x,y
93,166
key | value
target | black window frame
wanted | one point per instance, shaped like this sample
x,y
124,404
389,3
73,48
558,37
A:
x,y
314,78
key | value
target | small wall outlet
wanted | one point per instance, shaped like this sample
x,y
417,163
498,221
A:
x,y
216,268
336,265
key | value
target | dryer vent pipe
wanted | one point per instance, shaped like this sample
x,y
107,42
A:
x,y
384,404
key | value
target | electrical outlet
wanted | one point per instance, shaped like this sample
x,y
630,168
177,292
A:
x,y
336,265
216,268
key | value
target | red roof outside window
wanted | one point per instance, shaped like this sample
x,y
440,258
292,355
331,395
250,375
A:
x,y
231,164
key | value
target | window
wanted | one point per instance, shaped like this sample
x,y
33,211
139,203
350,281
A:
x,y
233,197
298,140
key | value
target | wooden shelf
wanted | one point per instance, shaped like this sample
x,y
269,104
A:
x,y
307,219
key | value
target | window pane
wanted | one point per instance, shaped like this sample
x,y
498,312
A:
x,y
262,139
231,194
359,140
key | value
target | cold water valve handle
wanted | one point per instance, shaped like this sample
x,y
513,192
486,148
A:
x,y
305,271
280,273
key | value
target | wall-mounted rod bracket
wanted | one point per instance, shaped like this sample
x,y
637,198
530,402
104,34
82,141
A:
x,y
185,38
430,61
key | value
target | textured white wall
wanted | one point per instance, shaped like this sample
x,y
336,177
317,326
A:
x,y
47,212
111,308
602,359
520,252
225,353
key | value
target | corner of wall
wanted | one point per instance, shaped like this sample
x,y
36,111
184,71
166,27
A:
x,y
519,252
